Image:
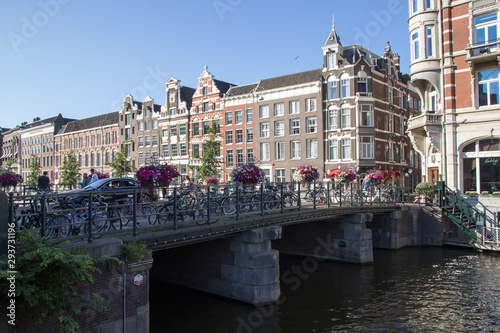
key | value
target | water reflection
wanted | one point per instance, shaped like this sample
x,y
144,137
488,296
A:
x,y
423,289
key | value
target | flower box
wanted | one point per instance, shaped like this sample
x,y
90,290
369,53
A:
x,y
305,174
156,175
248,174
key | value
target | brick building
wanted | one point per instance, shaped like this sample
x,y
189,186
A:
x,y
11,147
454,68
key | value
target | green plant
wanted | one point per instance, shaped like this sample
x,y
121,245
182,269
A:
x,y
471,192
135,251
36,170
426,188
70,170
48,279
120,165
210,162
485,192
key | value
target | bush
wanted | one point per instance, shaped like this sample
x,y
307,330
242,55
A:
x,y
426,188
135,251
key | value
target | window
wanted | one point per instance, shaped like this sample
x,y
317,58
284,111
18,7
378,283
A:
x,y
280,151
414,6
127,134
391,123
279,109
312,148
206,127
415,45
311,125
229,137
264,130
229,118
346,149
216,124
141,126
333,122
333,149
362,82
264,152
427,4
155,140
250,158
280,176
147,126
183,149
172,111
148,141
344,85
205,90
173,149
249,134
264,111
141,159
239,136
366,147
196,129
172,97
366,111
295,150
429,41
486,29
294,107
488,88
332,87
391,151
239,117
147,112
229,158
345,120
249,115
239,156
205,106
433,100
310,104
173,131
279,128
331,62
182,129
294,126
127,120
389,95
196,150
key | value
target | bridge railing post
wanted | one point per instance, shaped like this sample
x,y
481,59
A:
x,y
42,216
314,194
261,198
237,191
90,219
328,184
299,201
175,207
208,204
134,213
281,197
340,193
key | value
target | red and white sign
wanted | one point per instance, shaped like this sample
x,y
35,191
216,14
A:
x,y
138,280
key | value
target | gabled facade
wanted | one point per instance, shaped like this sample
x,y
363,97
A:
x,y
206,110
11,147
174,125
455,71
94,142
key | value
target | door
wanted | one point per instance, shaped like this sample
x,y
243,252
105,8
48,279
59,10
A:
x,y
433,175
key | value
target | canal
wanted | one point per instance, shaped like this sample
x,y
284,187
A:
x,y
417,289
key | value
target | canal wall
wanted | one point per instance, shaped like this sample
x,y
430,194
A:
x,y
343,239
244,267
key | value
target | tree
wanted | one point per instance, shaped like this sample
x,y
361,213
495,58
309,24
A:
x,y
121,167
36,170
70,170
7,164
210,163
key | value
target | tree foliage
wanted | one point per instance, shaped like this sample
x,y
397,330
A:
x,y
8,163
36,170
121,167
70,170
210,163
48,279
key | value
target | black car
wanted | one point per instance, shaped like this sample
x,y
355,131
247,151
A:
x,y
116,188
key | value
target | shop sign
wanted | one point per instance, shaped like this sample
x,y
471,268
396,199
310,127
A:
x,y
493,161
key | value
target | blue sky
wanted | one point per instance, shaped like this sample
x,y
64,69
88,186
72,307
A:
x,y
80,58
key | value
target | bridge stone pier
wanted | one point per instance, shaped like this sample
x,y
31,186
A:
x,y
346,239
243,267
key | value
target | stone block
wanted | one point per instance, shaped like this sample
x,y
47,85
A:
x,y
219,287
360,218
253,236
256,260
230,273
255,294
239,246
274,232
260,276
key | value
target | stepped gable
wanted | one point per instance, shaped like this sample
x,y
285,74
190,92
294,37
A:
x,y
97,121
291,79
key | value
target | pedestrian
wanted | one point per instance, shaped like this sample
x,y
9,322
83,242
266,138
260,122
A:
x,y
187,181
43,183
326,180
94,177
85,180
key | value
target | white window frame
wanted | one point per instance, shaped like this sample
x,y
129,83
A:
x,y
429,41
345,118
264,111
333,149
366,112
345,153
366,147
310,104
333,119
280,151
279,128
264,130
264,151
332,88
345,86
415,45
295,150
311,125
294,107
312,148
279,109
294,126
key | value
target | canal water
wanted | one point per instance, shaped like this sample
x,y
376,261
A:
x,y
415,289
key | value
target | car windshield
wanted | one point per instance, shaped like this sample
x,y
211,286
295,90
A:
x,y
96,184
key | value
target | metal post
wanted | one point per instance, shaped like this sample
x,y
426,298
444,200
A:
x,y
281,197
208,204
42,216
299,202
328,193
340,194
134,213
175,207
11,209
314,194
261,199
90,218
237,191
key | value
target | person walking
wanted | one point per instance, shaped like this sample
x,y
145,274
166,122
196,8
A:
x,y
85,180
43,183
94,177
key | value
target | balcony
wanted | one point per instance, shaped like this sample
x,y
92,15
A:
x,y
483,52
423,120
364,96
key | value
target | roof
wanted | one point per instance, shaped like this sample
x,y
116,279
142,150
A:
x,y
97,121
223,86
186,94
242,90
37,123
291,79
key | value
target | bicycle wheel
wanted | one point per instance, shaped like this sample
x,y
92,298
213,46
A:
x,y
146,214
99,219
229,206
290,200
63,226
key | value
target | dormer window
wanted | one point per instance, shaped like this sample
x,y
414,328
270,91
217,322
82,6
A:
x,y
172,97
205,90
331,61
